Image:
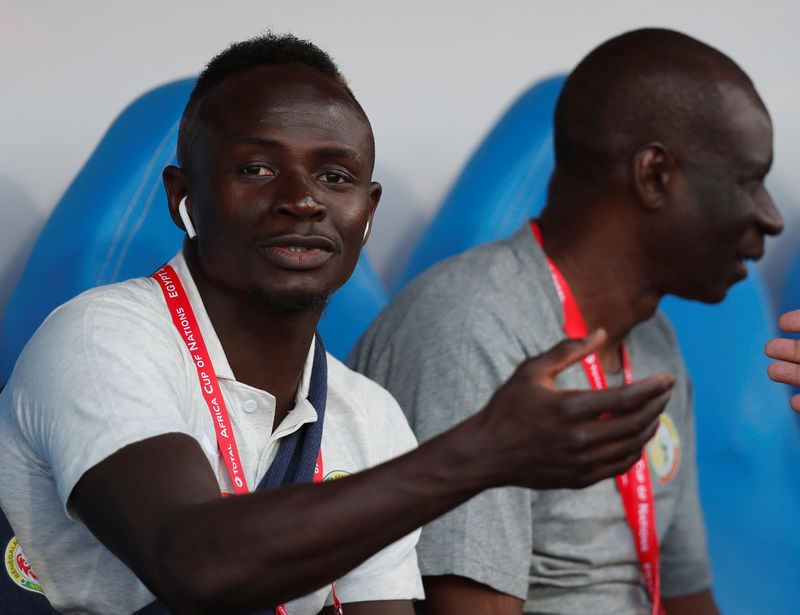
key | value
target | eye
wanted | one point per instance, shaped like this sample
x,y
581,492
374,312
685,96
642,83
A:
x,y
752,184
332,177
256,169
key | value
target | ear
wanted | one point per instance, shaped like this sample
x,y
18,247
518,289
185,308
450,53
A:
x,y
176,185
653,174
375,191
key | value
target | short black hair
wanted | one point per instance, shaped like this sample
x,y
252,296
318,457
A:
x,y
267,48
646,85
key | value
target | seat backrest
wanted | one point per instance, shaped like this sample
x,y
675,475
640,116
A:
x,y
790,292
748,438
502,184
113,223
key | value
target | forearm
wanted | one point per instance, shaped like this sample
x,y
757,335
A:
x,y
280,544
448,594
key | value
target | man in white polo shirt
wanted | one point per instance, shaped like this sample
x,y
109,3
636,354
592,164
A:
x,y
136,404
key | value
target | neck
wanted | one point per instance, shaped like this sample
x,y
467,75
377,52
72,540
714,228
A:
x,y
604,273
265,348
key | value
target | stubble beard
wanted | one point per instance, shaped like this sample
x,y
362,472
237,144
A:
x,y
288,303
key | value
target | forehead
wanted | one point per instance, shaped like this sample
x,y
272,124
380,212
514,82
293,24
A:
x,y
290,102
743,130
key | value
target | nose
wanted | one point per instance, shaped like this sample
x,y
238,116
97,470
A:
x,y
769,218
295,196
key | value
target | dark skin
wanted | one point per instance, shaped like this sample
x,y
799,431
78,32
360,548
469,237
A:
x,y
717,204
279,186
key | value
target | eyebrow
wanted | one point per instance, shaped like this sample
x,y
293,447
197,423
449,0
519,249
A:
x,y
340,152
260,141
330,152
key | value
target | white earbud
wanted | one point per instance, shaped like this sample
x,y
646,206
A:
x,y
366,232
187,221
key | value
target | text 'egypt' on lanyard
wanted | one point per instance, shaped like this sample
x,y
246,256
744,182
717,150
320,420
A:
x,y
185,322
634,485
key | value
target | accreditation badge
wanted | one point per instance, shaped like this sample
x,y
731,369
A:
x,y
664,450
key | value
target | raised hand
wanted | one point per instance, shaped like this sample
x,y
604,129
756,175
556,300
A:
x,y
553,438
786,353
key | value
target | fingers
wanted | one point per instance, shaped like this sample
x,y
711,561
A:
x,y
783,349
594,463
618,401
609,469
795,402
564,354
632,427
790,321
612,443
784,371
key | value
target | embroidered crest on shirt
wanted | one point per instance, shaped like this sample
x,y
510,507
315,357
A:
x,y
19,569
333,475
664,450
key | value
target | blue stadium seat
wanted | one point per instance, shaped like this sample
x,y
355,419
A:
x,y
790,293
503,183
748,440
113,223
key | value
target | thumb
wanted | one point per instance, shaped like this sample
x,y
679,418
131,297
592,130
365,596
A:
x,y
548,365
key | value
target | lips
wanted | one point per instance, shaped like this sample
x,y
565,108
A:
x,y
753,256
297,252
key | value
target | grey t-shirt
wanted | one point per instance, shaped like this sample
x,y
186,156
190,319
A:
x,y
442,347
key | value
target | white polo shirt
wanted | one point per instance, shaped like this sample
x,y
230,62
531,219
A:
x,y
108,369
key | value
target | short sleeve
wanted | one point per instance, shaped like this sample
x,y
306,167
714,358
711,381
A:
x,y
391,574
98,375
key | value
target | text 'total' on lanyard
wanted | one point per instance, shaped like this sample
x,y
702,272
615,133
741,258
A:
x,y
634,485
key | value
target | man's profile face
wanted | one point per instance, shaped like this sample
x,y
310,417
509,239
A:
x,y
723,206
280,185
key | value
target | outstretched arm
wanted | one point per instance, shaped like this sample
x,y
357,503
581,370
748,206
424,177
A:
x,y
786,353
156,503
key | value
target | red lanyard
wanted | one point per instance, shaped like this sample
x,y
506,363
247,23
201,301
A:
x,y
183,318
634,485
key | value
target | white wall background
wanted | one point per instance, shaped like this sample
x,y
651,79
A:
x,y
432,76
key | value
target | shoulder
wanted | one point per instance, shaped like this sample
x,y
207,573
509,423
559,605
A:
x,y
118,316
478,298
135,299
478,276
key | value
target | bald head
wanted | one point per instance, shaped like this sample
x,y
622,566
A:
x,y
649,85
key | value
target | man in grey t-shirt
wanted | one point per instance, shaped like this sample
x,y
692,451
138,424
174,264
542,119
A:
x,y
661,148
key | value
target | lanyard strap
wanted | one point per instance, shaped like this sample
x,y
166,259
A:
x,y
299,457
186,324
634,485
